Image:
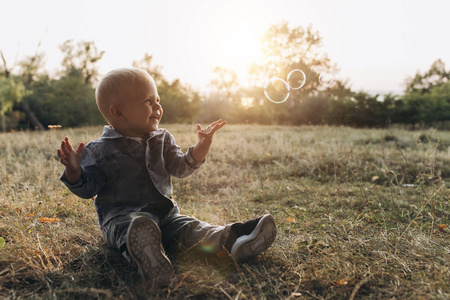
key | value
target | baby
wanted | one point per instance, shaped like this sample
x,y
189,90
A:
x,y
129,171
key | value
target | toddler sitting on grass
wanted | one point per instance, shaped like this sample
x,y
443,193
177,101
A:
x,y
129,171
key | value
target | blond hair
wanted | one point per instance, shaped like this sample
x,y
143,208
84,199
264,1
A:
x,y
111,88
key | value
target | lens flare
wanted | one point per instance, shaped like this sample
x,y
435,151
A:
x,y
207,248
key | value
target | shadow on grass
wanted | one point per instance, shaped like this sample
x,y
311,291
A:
x,y
98,273
102,273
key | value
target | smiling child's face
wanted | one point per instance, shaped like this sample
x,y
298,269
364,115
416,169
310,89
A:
x,y
141,108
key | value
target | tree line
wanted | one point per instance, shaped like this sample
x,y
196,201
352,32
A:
x,y
32,99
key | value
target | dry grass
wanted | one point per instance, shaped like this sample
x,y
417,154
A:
x,y
361,214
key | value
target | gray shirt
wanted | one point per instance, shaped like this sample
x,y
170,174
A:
x,y
126,175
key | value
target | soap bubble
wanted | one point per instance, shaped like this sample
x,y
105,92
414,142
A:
x,y
276,90
296,79
326,79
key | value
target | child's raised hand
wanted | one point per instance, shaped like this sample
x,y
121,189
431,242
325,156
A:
x,y
205,135
71,160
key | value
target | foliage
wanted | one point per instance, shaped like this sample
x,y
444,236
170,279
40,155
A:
x,y
287,49
225,82
67,101
435,76
180,103
432,107
82,57
146,63
30,68
70,99
425,102
11,92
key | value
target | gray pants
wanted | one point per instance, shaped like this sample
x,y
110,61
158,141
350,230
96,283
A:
x,y
178,232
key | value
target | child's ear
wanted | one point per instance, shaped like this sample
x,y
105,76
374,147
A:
x,y
116,112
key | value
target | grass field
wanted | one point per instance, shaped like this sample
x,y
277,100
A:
x,y
361,214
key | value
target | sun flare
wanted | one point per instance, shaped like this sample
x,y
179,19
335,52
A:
x,y
245,46
236,34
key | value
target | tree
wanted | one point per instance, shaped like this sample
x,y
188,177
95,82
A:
x,y
435,76
427,108
312,110
154,70
30,67
286,49
66,101
6,70
225,81
180,103
11,92
217,106
82,56
441,97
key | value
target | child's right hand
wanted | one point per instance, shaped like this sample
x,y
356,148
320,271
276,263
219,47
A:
x,y
71,160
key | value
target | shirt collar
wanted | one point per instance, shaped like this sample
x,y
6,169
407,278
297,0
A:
x,y
110,133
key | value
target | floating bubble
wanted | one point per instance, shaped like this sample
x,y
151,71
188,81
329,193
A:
x,y
326,79
276,90
296,79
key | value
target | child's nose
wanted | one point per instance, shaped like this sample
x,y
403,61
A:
x,y
156,106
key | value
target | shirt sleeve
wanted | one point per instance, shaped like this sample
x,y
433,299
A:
x,y
91,180
177,163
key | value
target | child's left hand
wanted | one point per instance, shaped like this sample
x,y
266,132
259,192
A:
x,y
205,135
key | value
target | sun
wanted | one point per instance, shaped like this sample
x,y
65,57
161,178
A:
x,y
241,48
233,37
244,46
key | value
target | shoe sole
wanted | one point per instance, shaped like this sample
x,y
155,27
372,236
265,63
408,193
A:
x,y
257,241
144,246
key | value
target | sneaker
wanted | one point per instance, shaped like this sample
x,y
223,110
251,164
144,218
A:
x,y
249,239
145,248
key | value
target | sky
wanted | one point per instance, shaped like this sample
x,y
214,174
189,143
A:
x,y
376,45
